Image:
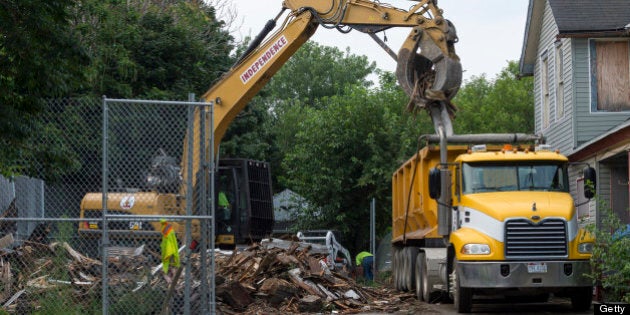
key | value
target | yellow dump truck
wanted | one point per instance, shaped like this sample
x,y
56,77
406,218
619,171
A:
x,y
473,219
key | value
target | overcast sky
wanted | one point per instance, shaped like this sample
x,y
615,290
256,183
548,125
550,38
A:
x,y
490,32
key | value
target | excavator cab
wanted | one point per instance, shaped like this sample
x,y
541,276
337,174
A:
x,y
244,202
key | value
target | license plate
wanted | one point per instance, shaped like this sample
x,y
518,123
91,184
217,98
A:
x,y
536,267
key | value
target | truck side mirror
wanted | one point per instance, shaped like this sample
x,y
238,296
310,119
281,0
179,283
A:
x,y
590,182
435,183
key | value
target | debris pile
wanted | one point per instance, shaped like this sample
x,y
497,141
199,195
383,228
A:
x,y
269,277
289,277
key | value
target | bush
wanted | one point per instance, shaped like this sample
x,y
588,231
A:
x,y
611,256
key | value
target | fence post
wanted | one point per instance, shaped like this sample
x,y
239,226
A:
x,y
189,196
373,233
104,237
212,211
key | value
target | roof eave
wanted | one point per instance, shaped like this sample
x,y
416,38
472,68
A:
x,y
531,37
595,34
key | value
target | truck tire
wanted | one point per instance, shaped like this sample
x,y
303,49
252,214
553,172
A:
x,y
394,267
462,297
582,298
418,277
404,270
424,279
397,268
410,263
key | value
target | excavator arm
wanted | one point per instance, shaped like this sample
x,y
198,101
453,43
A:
x,y
431,76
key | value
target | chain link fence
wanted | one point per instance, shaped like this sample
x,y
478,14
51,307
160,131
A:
x,y
90,242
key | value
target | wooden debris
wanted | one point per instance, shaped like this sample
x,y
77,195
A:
x,y
6,241
278,290
274,276
310,303
235,295
6,279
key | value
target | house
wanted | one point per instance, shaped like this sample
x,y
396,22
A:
x,y
578,52
286,205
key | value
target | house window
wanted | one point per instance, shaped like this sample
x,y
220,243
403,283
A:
x,y
544,88
559,81
610,75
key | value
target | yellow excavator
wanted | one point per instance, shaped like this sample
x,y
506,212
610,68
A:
x,y
428,69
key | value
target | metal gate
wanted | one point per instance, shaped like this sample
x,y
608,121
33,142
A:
x,y
158,173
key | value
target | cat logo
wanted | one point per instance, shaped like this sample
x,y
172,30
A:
x,y
127,202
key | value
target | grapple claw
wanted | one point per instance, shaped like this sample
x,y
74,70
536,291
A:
x,y
431,76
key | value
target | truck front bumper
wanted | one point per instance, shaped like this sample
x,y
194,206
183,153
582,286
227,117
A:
x,y
521,274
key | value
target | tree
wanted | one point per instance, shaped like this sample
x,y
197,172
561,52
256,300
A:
x,y
344,154
316,71
313,73
40,58
130,49
266,128
154,50
505,105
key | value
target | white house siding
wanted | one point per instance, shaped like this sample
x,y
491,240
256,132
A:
x,y
581,86
560,130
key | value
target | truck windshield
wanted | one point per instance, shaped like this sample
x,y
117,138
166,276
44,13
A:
x,y
485,177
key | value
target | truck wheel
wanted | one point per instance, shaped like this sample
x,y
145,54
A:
x,y
398,268
582,298
419,276
424,277
410,263
404,270
462,297
393,257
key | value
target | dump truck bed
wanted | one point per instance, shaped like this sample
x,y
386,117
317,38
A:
x,y
414,214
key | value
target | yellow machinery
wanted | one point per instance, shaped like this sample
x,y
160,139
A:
x,y
428,70
489,220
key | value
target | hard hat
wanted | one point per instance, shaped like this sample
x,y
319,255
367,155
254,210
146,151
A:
x,y
163,221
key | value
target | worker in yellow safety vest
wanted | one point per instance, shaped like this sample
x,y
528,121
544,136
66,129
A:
x,y
366,260
170,250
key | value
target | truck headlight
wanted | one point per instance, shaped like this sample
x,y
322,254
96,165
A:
x,y
585,248
476,249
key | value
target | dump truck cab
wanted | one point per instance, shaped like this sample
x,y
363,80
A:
x,y
514,220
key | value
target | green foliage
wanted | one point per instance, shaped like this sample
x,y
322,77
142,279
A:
x,y
53,51
317,71
58,302
65,231
146,301
344,152
611,259
249,135
146,50
40,58
266,129
505,105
